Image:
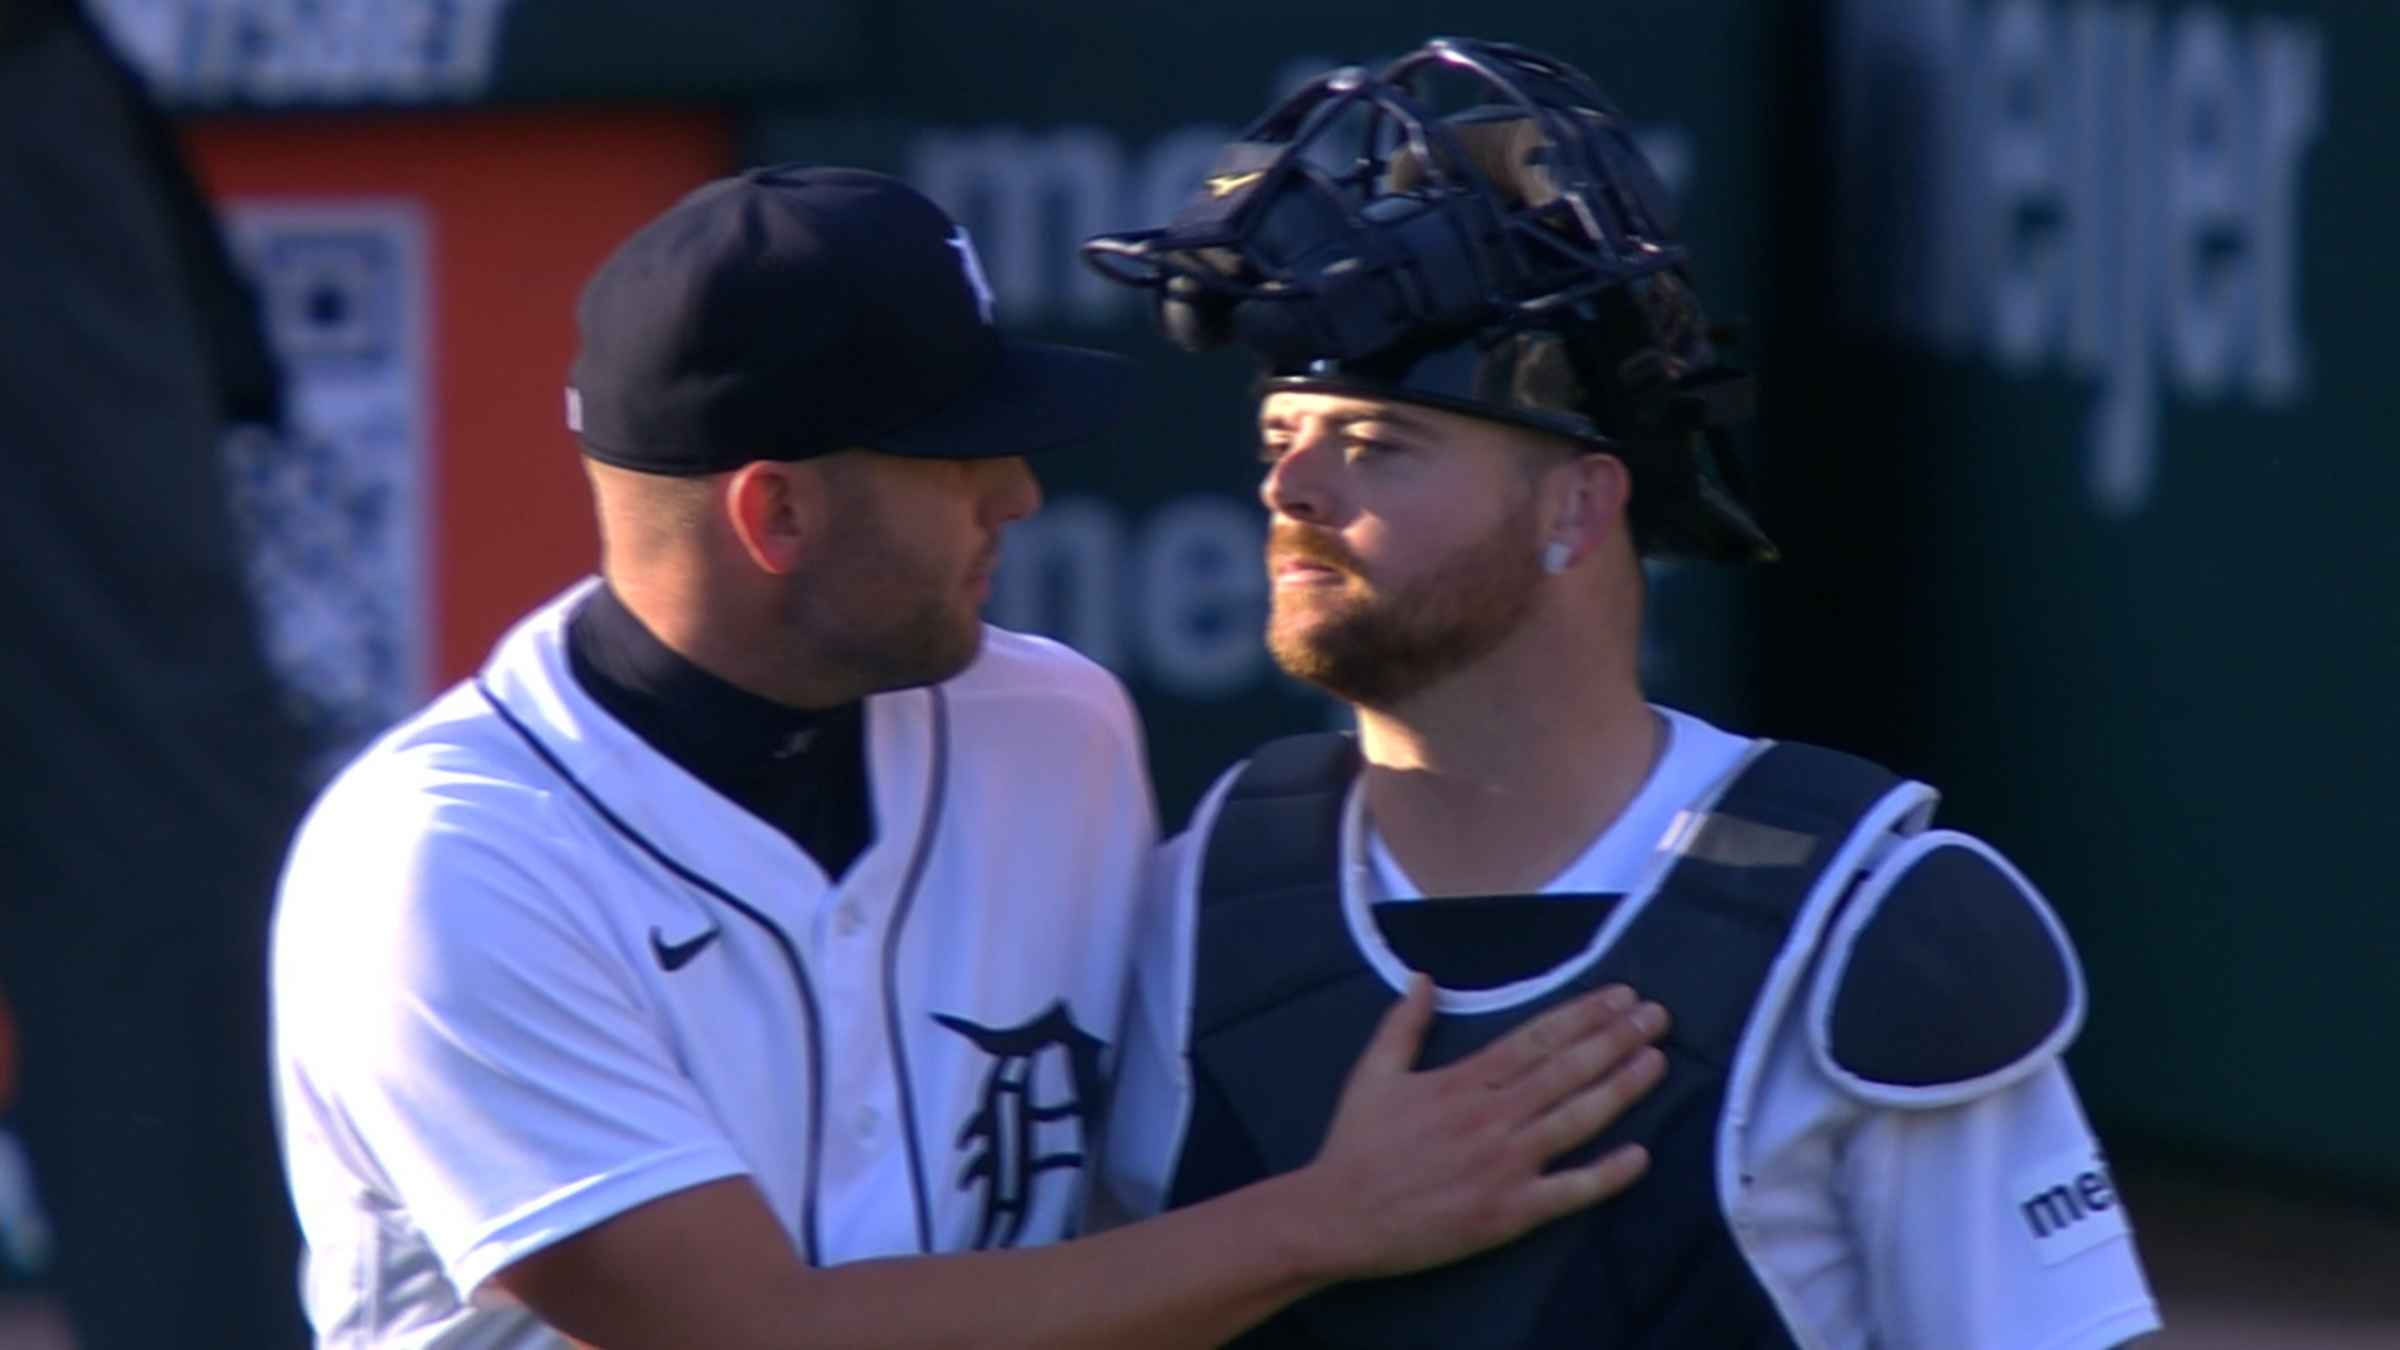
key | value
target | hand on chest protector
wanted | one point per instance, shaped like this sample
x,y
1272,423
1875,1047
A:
x,y
1421,1168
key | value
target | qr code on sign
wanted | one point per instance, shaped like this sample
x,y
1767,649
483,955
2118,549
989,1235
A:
x,y
334,506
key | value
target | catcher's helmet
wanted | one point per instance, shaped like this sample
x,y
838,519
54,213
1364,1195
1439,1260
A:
x,y
1514,260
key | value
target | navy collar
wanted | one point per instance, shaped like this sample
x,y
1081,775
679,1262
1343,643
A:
x,y
802,770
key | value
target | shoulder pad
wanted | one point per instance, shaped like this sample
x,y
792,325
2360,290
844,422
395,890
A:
x,y
1278,816
1945,979
1317,761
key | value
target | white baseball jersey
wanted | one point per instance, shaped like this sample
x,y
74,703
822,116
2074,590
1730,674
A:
x,y
1867,1226
529,974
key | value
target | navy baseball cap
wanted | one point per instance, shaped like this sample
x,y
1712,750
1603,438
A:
x,y
790,311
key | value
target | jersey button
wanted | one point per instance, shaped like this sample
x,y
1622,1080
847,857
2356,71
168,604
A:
x,y
849,920
868,1120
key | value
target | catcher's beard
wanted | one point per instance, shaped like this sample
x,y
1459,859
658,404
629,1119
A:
x,y
1377,649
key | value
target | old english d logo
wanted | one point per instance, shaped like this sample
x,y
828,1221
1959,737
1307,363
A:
x,y
1017,1134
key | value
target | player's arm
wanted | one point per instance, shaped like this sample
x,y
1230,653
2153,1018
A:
x,y
1417,1169
1981,1202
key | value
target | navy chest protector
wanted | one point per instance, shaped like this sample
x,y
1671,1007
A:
x,y
1283,1002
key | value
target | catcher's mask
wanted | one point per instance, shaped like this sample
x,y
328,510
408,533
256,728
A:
x,y
1514,260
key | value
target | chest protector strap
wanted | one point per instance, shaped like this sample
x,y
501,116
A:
x,y
1283,1002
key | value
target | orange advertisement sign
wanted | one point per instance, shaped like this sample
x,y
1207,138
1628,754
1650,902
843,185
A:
x,y
420,271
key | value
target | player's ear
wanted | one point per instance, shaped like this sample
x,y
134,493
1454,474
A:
x,y
776,511
1587,498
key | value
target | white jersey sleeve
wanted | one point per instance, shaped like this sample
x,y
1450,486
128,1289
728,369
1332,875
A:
x,y
452,1028
1981,1218
1994,1225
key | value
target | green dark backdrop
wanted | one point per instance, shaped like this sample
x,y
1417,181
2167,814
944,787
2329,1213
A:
x,y
2153,661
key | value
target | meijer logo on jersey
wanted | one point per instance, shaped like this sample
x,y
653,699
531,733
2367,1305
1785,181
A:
x,y
2069,1205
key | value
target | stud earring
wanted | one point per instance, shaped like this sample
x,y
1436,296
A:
x,y
1555,556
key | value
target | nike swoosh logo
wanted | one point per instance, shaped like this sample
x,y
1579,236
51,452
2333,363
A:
x,y
674,956
1226,184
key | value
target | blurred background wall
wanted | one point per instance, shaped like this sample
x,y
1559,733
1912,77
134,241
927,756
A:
x,y
2091,412
2075,425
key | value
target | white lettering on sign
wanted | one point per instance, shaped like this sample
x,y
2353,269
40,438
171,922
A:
x,y
1178,601
1030,196
2088,187
308,51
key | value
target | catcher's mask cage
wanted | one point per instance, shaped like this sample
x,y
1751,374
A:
x,y
1514,260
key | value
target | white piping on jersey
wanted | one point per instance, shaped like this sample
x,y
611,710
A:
x,y
1824,901
937,781
1359,915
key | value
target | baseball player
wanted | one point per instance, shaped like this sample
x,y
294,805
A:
x,y
1489,395
756,912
